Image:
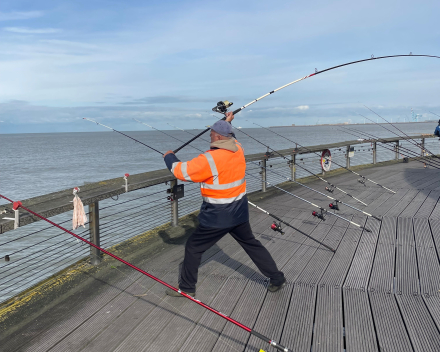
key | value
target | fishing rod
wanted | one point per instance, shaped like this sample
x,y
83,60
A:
x,y
363,178
333,206
434,113
318,177
414,155
412,141
271,342
222,106
84,118
275,228
146,124
385,145
323,211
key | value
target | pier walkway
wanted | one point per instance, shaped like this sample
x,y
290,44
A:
x,y
380,291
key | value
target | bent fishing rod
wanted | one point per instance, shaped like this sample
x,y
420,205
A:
x,y
274,226
333,206
411,140
318,177
384,144
363,178
222,106
271,342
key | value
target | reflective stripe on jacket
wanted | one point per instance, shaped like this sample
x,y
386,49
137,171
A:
x,y
221,174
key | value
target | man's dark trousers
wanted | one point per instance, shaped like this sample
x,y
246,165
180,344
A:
x,y
205,237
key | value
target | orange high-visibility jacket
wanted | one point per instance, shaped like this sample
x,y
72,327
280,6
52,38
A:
x,y
221,174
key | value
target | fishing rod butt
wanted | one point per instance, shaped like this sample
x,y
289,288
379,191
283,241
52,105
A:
x,y
270,342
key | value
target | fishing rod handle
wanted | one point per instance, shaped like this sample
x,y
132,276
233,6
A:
x,y
194,138
271,342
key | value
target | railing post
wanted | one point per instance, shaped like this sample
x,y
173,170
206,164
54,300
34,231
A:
x,y
374,153
17,218
293,167
396,156
174,206
347,161
95,254
263,175
422,150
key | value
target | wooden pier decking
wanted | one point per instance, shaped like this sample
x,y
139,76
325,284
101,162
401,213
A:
x,y
380,291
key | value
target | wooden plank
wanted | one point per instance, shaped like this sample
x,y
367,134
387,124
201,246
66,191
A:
x,y
391,331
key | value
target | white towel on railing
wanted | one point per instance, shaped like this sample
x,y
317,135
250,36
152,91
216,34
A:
x,y
79,215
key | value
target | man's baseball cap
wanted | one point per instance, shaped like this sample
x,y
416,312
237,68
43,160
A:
x,y
222,127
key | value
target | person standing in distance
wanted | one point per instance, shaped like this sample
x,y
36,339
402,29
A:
x,y
221,174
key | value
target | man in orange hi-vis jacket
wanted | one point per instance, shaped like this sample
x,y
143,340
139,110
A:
x,y
221,174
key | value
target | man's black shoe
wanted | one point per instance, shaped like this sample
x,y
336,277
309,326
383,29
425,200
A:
x,y
173,293
274,288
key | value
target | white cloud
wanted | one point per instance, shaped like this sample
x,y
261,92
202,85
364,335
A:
x,y
302,107
16,15
194,115
23,30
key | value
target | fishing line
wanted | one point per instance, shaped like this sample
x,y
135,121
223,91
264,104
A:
x,y
363,177
415,155
17,205
223,106
410,139
386,146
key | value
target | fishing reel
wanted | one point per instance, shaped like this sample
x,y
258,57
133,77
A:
x,y
334,205
329,189
277,228
362,180
222,107
319,215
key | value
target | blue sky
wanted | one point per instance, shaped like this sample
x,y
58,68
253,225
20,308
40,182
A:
x,y
171,61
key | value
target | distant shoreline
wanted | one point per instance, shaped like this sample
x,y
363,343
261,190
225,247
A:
x,y
357,124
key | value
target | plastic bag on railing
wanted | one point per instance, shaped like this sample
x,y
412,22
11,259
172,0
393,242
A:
x,y
79,215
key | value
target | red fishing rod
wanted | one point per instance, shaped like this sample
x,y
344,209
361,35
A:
x,y
16,205
222,106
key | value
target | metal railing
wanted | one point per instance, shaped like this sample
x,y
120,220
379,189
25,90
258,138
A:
x,y
126,207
